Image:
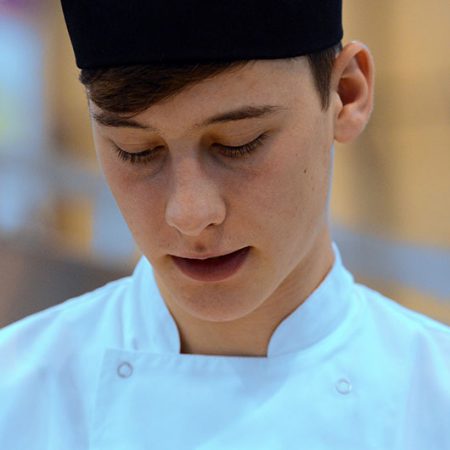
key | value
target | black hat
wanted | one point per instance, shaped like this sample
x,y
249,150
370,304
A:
x,y
108,33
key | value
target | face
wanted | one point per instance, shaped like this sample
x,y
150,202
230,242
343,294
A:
x,y
190,194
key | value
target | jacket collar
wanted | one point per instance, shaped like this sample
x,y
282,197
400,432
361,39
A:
x,y
313,321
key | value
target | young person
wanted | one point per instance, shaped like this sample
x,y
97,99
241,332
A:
x,y
214,124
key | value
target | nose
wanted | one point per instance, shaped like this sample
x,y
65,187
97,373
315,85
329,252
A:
x,y
194,202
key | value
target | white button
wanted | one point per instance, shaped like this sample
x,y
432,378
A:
x,y
343,386
125,370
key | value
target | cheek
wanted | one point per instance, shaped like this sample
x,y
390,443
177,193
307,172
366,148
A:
x,y
289,193
137,195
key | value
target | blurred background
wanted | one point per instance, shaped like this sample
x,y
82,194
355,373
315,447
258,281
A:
x,y
61,233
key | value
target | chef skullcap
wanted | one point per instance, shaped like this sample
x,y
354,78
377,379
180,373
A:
x,y
108,33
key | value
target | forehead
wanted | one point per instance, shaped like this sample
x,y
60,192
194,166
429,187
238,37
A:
x,y
258,77
257,83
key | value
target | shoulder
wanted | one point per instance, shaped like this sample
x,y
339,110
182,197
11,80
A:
x,y
386,309
407,334
64,326
73,308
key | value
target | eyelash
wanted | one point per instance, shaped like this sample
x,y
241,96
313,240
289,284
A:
x,y
230,152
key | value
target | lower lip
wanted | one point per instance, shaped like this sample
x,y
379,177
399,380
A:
x,y
212,269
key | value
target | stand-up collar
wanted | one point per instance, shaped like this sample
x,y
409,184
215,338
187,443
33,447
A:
x,y
318,316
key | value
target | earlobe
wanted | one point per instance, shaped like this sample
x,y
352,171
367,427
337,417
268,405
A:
x,y
353,88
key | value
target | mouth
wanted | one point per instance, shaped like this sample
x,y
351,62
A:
x,y
212,269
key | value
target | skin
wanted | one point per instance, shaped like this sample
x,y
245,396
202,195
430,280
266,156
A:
x,y
192,199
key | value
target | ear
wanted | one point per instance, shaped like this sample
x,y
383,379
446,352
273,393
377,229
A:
x,y
352,88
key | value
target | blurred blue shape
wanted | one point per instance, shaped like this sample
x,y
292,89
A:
x,y
21,85
22,127
421,267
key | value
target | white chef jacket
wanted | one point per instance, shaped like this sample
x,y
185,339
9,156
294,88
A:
x,y
348,369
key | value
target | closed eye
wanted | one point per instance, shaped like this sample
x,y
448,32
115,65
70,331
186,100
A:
x,y
241,150
145,156
142,157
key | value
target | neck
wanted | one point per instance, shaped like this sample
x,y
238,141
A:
x,y
250,335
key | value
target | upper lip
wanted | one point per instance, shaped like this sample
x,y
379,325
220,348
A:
x,y
206,256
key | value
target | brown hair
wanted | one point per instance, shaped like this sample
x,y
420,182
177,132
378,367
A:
x,y
133,89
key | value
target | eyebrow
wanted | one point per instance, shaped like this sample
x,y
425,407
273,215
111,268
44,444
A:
x,y
108,119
